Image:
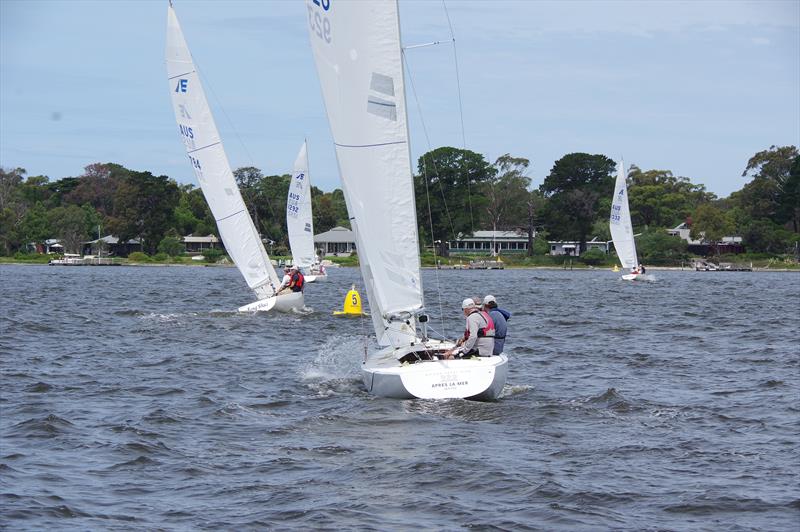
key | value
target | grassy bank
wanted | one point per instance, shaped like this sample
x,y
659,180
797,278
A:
x,y
758,261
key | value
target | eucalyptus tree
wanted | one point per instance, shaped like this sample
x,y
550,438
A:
x,y
574,189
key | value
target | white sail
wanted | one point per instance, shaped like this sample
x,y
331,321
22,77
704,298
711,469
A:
x,y
620,222
210,164
299,220
357,53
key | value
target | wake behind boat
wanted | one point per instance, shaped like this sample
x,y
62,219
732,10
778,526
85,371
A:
x,y
357,52
210,164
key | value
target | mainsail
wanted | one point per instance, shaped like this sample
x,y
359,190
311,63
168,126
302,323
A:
x,y
357,52
210,164
298,213
620,222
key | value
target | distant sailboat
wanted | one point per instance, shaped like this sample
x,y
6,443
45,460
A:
x,y
357,52
621,227
210,165
300,222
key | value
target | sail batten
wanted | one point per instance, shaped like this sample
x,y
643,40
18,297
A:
x,y
210,163
357,53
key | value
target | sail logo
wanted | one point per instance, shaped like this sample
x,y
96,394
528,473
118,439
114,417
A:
x,y
621,193
184,113
383,105
183,85
300,176
307,228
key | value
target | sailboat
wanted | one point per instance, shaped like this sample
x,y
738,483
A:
x,y
210,165
357,52
621,228
299,220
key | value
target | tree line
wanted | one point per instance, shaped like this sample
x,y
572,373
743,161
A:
x,y
457,192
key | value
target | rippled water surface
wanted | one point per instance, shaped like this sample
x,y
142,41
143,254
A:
x,y
135,398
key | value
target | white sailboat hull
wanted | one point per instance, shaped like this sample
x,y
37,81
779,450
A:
x,y
281,303
316,278
633,277
477,378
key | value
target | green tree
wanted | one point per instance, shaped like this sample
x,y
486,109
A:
x,y
448,193
773,192
143,208
659,199
709,223
35,226
69,225
574,188
507,192
12,209
656,246
171,245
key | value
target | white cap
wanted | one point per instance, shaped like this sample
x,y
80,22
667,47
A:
x,y
489,299
467,303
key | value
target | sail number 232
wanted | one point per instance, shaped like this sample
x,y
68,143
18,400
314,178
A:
x,y
320,24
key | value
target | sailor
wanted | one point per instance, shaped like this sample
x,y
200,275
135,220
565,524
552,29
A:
x,y
500,318
478,336
287,278
297,280
642,268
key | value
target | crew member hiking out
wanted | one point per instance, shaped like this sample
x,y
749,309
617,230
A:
x,y
297,280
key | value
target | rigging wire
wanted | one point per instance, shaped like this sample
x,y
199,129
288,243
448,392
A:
x,y
427,189
460,112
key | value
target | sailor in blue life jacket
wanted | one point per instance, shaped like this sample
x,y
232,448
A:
x,y
500,318
297,280
478,336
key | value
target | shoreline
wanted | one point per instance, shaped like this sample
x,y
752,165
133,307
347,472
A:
x,y
554,268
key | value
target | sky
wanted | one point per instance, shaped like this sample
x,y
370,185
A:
x,y
693,87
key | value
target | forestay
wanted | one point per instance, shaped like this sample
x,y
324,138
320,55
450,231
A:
x,y
210,164
298,213
620,222
357,52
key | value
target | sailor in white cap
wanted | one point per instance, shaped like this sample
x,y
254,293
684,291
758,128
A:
x,y
478,336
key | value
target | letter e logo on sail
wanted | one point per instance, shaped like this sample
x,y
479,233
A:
x,y
183,85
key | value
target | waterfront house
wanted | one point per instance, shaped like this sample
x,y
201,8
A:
x,y
112,246
337,241
196,244
571,248
701,246
490,242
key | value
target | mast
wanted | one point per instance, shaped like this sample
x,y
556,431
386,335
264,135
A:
x,y
410,160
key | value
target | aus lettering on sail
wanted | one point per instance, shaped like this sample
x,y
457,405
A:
x,y
317,18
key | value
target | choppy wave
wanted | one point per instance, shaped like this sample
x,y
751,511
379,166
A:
x,y
154,404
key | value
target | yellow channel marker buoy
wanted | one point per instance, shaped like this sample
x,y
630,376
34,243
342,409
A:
x,y
616,268
352,304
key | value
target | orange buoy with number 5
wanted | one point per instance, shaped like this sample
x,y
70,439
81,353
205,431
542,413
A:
x,y
352,304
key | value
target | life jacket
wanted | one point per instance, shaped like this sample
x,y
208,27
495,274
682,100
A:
x,y
483,332
297,282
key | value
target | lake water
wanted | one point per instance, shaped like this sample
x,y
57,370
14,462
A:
x,y
134,398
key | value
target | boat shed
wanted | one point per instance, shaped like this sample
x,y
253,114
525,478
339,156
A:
x,y
113,246
572,248
337,241
196,244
